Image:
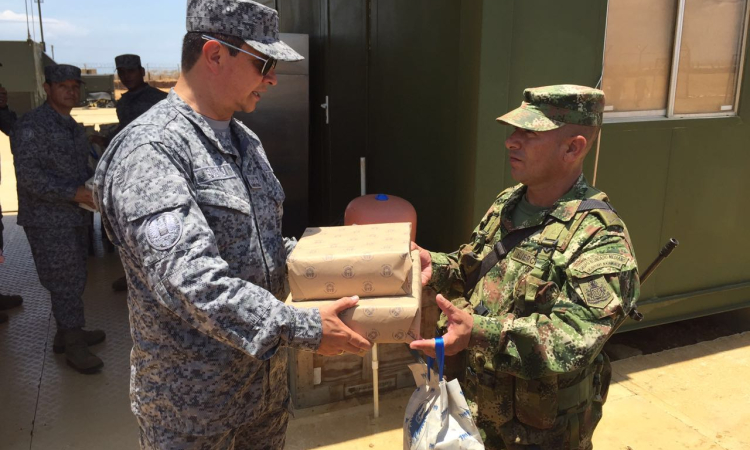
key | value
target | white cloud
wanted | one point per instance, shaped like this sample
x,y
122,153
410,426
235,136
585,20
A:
x,y
14,27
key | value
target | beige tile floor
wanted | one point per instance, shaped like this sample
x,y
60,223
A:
x,y
694,397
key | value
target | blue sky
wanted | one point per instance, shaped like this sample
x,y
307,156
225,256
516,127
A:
x,y
94,32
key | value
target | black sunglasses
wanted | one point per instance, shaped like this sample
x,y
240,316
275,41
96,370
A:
x,y
268,64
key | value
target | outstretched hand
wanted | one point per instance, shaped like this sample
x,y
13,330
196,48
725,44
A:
x,y
457,338
337,337
426,260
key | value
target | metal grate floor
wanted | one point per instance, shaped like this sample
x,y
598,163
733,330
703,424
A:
x,y
45,403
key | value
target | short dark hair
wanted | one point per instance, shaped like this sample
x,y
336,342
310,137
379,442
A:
x,y
192,46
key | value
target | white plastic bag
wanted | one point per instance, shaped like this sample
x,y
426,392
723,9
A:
x,y
437,415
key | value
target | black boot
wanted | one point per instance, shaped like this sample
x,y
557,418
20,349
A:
x,y
3,317
77,353
92,337
120,284
10,301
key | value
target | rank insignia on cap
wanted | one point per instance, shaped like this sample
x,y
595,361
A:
x,y
164,230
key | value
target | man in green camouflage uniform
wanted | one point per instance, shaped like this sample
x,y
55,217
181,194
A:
x,y
536,324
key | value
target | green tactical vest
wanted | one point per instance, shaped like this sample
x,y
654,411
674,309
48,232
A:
x,y
538,402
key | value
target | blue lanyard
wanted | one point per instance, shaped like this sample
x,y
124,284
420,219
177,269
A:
x,y
440,353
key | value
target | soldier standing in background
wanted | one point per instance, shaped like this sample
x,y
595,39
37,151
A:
x,y
51,158
7,116
139,98
189,198
7,120
536,322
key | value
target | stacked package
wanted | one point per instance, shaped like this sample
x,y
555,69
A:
x,y
371,261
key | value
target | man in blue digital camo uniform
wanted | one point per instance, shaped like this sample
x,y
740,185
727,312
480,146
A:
x,y
139,98
536,322
50,152
190,200
7,120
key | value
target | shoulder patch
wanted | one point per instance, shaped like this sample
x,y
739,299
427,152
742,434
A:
x,y
590,264
164,230
25,134
596,292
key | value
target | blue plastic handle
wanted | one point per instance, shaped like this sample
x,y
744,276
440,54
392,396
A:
x,y
440,353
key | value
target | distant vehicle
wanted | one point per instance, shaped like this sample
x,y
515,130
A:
x,y
98,90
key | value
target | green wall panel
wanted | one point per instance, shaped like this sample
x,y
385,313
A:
x,y
491,157
707,208
632,174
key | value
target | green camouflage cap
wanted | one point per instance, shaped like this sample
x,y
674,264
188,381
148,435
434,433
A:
x,y
128,62
57,73
550,107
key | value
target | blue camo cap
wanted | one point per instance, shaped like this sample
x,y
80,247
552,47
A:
x,y
128,61
57,73
256,24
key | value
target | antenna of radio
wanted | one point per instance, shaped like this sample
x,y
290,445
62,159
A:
x,y
28,32
33,27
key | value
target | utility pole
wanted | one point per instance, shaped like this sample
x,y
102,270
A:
x,y
41,30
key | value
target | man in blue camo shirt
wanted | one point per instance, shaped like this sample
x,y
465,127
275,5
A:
x,y
189,198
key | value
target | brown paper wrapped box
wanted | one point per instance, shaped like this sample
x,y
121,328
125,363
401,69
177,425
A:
x,y
364,260
383,320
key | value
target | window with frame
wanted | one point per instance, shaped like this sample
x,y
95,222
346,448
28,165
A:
x,y
673,58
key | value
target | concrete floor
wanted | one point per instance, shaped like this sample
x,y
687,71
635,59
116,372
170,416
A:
x,y
694,397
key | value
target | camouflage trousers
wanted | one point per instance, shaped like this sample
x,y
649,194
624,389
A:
x,y
506,422
266,433
60,259
557,438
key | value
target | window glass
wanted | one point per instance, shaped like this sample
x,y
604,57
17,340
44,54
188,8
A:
x,y
709,56
638,54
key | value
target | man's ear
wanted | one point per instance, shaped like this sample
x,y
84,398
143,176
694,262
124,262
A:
x,y
576,148
211,54
143,72
47,88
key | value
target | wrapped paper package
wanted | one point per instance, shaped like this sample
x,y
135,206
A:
x,y
364,260
383,320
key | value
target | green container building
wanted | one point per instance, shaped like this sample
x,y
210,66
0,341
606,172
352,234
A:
x,y
415,87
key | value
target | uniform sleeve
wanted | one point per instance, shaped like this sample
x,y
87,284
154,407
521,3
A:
x,y
164,230
31,174
600,286
7,120
449,269
289,244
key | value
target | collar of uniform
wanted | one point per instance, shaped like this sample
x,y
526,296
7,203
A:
x,y
189,113
567,206
564,209
65,121
136,92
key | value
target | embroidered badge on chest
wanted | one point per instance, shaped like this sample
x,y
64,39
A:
x,y
164,230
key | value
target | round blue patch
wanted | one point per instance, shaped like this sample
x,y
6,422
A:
x,y
164,230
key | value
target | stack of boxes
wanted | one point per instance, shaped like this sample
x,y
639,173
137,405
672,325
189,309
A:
x,y
371,261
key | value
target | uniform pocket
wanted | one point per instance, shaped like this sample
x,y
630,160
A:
x,y
223,199
536,402
494,399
